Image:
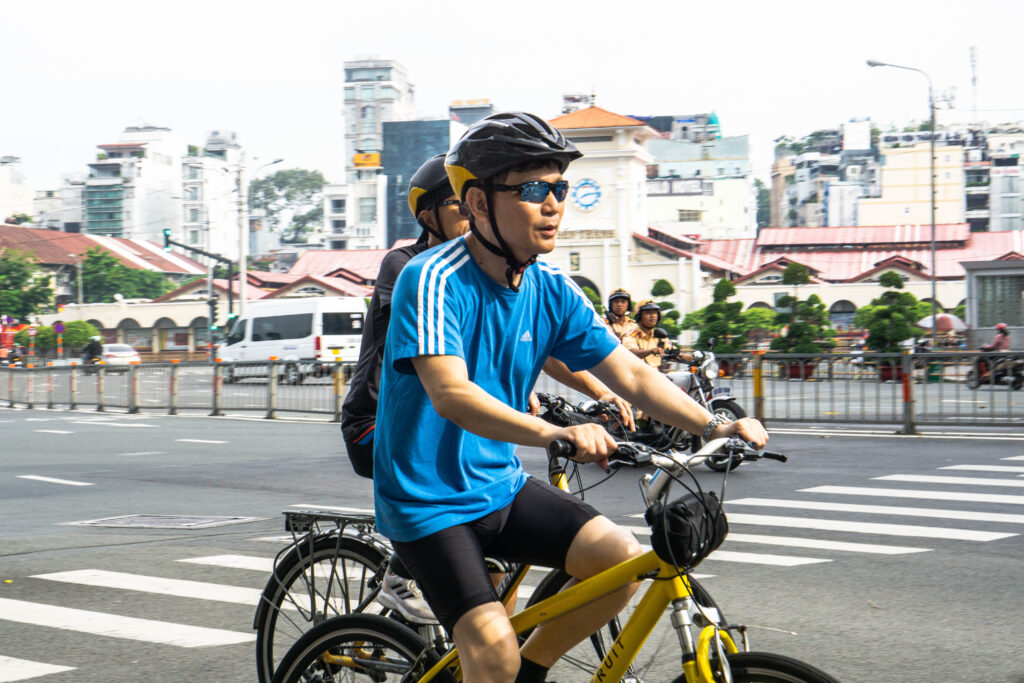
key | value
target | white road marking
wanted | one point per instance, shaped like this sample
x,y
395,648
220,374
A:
x,y
882,510
1015,457
12,669
751,558
894,435
115,626
336,508
155,584
796,542
913,493
285,540
51,480
261,564
199,441
53,431
763,558
144,453
931,479
984,468
109,424
868,528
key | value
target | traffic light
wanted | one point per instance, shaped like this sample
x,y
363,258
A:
x,y
167,239
213,312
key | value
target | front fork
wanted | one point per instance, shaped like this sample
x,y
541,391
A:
x,y
697,654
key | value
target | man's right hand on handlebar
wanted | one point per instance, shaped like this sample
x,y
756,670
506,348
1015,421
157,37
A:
x,y
592,441
746,428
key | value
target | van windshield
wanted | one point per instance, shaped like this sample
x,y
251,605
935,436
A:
x,y
276,327
237,333
343,323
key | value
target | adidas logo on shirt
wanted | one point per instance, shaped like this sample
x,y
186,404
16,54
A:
x,y
526,337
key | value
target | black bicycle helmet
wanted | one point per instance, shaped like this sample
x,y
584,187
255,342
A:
x,y
496,144
429,186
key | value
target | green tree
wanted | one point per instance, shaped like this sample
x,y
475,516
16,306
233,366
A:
x,y
76,334
669,323
295,190
891,317
24,287
757,319
764,204
103,276
662,288
594,299
720,320
807,328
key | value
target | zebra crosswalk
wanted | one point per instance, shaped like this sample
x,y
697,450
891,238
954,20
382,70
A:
x,y
821,526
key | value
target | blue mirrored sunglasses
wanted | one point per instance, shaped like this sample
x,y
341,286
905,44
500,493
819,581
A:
x,y
536,191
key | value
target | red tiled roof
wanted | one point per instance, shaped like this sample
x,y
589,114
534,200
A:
x,y
220,285
404,243
593,117
364,262
862,235
51,247
338,285
270,278
844,264
710,261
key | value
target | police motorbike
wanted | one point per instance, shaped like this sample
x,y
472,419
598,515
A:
x,y
698,381
1005,369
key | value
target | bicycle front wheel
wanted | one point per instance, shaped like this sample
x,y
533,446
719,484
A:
x,y
356,647
310,585
765,667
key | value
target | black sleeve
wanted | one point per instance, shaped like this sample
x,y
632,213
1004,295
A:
x,y
390,267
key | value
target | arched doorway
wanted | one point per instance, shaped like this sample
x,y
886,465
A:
x,y
130,332
840,314
588,283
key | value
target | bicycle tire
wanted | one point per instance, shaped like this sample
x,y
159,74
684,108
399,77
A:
x,y
352,636
318,596
766,667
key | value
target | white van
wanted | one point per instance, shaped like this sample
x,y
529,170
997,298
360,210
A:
x,y
300,331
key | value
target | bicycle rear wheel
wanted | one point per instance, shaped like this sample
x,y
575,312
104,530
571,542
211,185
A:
x,y
309,586
765,667
356,647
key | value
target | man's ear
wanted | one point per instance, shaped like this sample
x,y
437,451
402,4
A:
x,y
476,202
427,217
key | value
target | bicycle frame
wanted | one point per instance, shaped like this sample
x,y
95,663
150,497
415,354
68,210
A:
x,y
666,589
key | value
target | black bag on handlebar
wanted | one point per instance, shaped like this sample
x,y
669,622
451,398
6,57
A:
x,y
688,529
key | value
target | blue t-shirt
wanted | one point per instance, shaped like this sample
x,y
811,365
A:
x,y
429,473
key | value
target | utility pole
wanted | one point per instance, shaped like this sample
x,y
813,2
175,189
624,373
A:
x,y
243,237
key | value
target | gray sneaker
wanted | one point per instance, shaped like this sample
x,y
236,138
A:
x,y
403,596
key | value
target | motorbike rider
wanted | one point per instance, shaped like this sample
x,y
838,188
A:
x,y
617,314
93,350
643,342
1001,342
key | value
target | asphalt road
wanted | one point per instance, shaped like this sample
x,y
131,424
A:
x,y
930,590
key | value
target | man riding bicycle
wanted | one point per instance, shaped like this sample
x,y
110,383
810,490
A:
x,y
472,323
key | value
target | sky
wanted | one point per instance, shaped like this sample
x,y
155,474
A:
x,y
75,74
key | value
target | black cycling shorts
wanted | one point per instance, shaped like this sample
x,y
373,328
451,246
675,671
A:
x,y
536,528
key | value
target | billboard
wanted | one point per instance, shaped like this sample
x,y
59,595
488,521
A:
x,y
371,160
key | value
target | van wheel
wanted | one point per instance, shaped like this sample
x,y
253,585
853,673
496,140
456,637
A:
x,y
229,375
291,375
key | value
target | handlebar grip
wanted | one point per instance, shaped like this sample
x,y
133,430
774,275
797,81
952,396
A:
x,y
774,456
560,448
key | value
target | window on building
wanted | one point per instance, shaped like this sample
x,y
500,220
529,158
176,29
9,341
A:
x,y
368,127
367,209
689,216
366,92
337,206
191,172
1001,300
574,261
192,194
193,237
338,226
193,215
368,113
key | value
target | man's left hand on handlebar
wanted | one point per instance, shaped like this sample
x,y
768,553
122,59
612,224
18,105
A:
x,y
592,441
625,410
746,428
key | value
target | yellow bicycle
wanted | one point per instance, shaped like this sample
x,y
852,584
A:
x,y
683,532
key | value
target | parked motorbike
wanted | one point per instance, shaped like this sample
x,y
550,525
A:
x,y
698,381
1005,369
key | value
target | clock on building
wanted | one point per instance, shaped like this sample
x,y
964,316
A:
x,y
586,194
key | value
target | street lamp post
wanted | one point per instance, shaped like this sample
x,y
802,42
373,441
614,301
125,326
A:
x,y
931,118
243,232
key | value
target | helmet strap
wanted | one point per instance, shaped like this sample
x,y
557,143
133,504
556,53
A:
x,y
436,232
